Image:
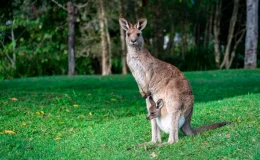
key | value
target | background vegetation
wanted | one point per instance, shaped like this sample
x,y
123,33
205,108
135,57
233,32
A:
x,y
34,34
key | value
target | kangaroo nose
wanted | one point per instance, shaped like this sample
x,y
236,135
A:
x,y
133,40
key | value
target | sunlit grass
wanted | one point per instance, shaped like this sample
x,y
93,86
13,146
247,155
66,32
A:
x,y
94,117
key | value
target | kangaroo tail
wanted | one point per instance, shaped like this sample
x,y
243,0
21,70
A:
x,y
209,127
188,130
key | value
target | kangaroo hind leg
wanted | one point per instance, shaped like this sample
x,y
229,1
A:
x,y
175,113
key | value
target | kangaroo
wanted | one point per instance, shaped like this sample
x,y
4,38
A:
x,y
164,81
155,109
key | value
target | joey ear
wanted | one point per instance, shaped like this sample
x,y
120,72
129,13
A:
x,y
159,104
141,23
124,24
151,101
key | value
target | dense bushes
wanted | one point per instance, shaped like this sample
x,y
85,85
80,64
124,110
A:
x,y
55,62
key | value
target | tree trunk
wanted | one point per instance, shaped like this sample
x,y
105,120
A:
x,y
12,59
106,67
233,53
206,34
71,56
208,30
216,29
109,46
251,34
122,38
226,60
158,29
184,39
170,45
135,8
210,26
13,62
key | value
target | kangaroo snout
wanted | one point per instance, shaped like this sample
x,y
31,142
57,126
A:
x,y
148,118
133,40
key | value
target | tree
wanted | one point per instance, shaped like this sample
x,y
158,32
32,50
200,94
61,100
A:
x,y
11,58
216,29
14,27
71,36
251,34
235,35
105,41
228,59
122,39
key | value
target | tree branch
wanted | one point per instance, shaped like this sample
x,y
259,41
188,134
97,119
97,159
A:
x,y
8,57
83,5
80,54
61,6
233,53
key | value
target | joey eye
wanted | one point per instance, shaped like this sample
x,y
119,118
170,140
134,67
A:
x,y
138,34
128,34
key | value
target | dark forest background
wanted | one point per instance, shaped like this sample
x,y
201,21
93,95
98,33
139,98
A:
x,y
190,34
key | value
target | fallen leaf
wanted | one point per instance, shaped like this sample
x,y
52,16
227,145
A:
x,y
39,112
13,99
227,136
9,132
57,138
90,113
81,116
75,105
67,110
113,99
153,155
24,124
89,94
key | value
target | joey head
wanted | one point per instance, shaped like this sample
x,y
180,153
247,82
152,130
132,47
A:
x,y
154,110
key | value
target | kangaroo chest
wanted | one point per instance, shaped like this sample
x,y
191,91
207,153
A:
x,y
138,70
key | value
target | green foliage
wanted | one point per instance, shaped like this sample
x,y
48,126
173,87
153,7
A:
x,y
41,31
94,117
17,23
198,59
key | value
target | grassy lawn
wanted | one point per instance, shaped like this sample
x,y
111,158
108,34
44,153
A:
x,y
94,117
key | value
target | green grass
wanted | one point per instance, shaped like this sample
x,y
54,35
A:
x,y
94,117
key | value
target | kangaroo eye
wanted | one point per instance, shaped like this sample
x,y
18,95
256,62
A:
x,y
152,113
138,34
128,34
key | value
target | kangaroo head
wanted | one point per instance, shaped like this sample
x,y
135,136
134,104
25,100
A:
x,y
155,109
133,32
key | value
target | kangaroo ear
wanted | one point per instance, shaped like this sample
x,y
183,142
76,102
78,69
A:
x,y
124,24
141,23
151,101
159,104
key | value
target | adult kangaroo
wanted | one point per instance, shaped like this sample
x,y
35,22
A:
x,y
163,81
